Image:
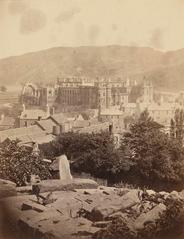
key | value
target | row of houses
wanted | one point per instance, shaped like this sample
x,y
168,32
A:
x,y
47,129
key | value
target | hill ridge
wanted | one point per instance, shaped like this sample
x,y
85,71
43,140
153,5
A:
x,y
166,69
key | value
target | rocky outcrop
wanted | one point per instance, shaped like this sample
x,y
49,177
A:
x,y
97,212
64,185
7,188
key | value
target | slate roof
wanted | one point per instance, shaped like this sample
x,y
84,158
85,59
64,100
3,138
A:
x,y
111,112
7,122
64,117
58,118
26,134
46,125
96,128
81,123
33,114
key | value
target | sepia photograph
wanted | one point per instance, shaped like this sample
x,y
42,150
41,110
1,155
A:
x,y
91,119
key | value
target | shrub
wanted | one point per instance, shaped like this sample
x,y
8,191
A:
x,y
17,163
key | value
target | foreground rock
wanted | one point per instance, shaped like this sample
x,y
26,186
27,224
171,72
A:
x,y
7,188
64,185
100,213
150,216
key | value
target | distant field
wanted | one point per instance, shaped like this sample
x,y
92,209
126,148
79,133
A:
x,y
8,97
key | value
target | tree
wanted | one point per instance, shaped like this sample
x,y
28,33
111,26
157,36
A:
x,y
177,126
157,157
172,129
90,153
17,163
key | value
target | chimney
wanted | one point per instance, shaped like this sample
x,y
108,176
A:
x,y
52,111
39,118
48,110
99,113
56,130
61,129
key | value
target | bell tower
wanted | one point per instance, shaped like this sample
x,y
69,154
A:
x,y
147,91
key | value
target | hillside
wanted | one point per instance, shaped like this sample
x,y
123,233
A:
x,y
165,68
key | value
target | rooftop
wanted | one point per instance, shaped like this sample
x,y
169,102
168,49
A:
x,y
25,134
155,106
58,118
7,121
46,125
33,114
111,112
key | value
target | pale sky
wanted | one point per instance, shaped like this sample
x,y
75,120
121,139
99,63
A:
x,y
33,25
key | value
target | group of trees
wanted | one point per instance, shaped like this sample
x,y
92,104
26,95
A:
x,y
90,153
147,155
177,126
17,163
158,158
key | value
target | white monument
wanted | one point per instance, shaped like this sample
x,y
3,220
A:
x,y
35,150
64,168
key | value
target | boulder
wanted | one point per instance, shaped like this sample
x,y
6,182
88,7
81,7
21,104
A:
x,y
175,195
132,197
24,190
7,188
164,195
181,194
100,213
101,224
149,217
67,185
114,204
150,192
7,182
33,206
50,224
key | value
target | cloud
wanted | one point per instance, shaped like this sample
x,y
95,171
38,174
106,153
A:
x,y
93,33
32,20
17,7
156,39
67,15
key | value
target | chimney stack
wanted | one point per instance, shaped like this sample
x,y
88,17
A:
x,y
48,110
52,111
56,130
